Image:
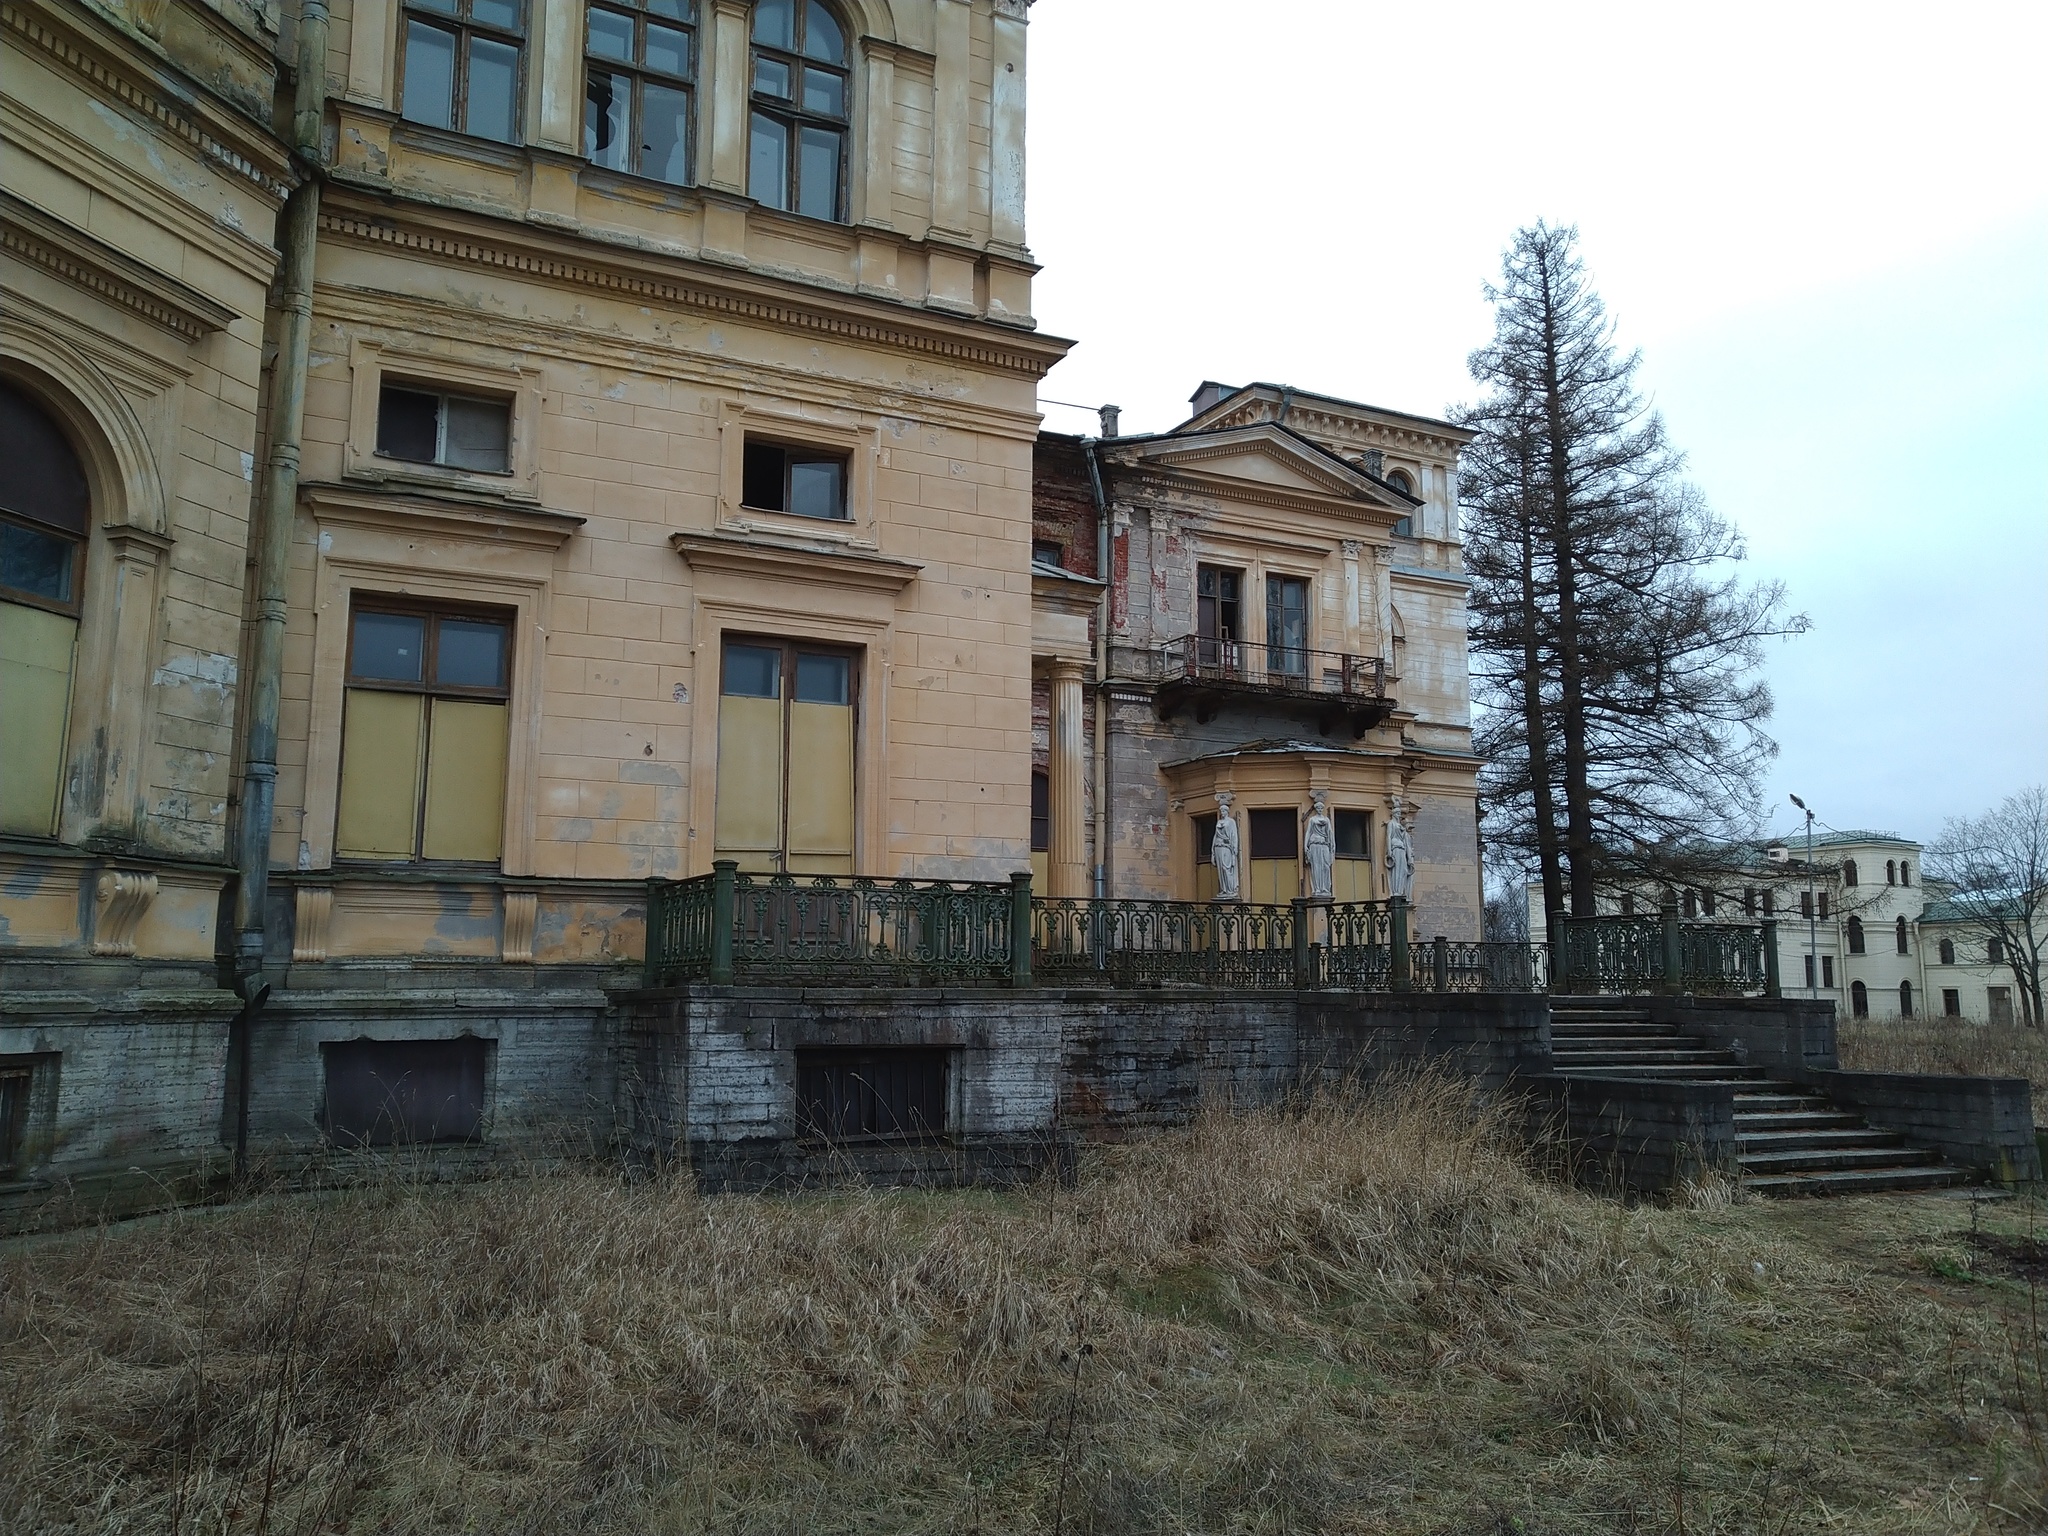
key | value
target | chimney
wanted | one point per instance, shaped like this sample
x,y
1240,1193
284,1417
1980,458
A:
x,y
1109,414
1375,463
1207,395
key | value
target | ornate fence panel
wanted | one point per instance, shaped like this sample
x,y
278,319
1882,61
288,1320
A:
x,y
1661,954
1458,966
789,930
1608,954
1357,950
678,930
1081,942
1723,959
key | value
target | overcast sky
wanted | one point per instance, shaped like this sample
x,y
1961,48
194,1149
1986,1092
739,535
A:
x,y
1826,227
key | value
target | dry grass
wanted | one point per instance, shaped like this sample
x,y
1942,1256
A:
x,y
1353,1317
1948,1045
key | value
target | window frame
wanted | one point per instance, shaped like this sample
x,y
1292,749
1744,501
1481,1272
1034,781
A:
x,y
794,116
641,73
1288,660
465,28
433,611
791,647
442,395
810,454
80,545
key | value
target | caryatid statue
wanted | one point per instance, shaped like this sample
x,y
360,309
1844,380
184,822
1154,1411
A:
x,y
1400,853
1319,847
1223,848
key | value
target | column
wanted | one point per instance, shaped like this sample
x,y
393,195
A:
x,y
1068,864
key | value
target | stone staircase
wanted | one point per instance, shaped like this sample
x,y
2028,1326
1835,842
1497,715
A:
x,y
1790,1140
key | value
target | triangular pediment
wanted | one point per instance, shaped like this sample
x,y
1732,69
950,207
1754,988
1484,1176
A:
x,y
1263,460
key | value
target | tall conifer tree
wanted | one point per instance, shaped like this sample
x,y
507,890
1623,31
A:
x,y
1615,657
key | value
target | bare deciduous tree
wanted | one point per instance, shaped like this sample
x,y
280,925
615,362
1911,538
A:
x,y
1615,657
1993,871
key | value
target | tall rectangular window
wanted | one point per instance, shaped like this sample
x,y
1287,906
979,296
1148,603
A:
x,y
637,95
785,794
1275,855
802,84
424,735
1219,614
462,61
1287,625
1827,970
1351,876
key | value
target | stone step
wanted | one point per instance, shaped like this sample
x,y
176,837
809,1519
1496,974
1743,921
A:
x,y
1781,1101
1598,1015
1705,1074
1648,1056
1857,1181
1845,1138
1826,1159
1643,1032
1748,1122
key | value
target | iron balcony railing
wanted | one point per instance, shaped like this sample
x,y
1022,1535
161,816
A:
x,y
1290,669
728,928
1663,953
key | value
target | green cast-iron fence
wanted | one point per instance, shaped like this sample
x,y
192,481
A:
x,y
1663,954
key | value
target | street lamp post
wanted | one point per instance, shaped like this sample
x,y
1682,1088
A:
x,y
1812,911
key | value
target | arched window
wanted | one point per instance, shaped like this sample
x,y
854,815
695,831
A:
x,y
1899,933
640,65
45,512
1905,873
1905,999
1398,479
1948,951
1848,871
1859,1000
1855,935
796,158
1891,872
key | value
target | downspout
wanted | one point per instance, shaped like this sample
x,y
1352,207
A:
x,y
272,536
1102,612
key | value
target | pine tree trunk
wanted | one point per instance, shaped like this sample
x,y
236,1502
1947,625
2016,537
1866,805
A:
x,y
1539,739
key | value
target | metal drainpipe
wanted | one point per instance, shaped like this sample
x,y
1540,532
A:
x,y
1102,610
272,533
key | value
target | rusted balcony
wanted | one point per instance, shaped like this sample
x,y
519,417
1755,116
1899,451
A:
x,y
1206,676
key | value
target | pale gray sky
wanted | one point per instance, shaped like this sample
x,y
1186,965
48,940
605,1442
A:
x,y
1826,226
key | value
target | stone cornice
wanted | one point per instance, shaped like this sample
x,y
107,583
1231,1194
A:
x,y
129,87
650,277
474,518
34,236
837,564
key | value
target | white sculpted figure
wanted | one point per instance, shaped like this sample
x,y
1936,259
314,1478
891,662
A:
x,y
1319,847
1223,849
1400,854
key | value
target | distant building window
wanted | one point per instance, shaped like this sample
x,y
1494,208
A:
x,y
456,431
1809,972
1905,999
1859,1000
383,1093
1806,904
1891,872
1749,901
1628,903
1827,971
1899,934
1770,903
796,158
1994,952
1951,1003
1692,902
1045,552
640,62
1399,479
1041,811
1856,936
424,734
802,481
1848,871
462,66
1823,905
1948,951
1905,873
1708,901
1998,1003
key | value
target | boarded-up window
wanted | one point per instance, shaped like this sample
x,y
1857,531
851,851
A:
x,y
1275,872
45,510
19,1101
785,758
1351,876
384,1093
425,728
871,1095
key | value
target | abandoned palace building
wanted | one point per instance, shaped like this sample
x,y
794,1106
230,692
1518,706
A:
x,y
524,525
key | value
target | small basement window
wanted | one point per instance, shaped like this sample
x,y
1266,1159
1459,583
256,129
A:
x,y
456,431
19,1101
805,482
383,1093
877,1095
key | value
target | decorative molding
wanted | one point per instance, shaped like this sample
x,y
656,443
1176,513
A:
x,y
522,910
129,94
120,897
313,912
743,306
446,513
85,262
836,564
